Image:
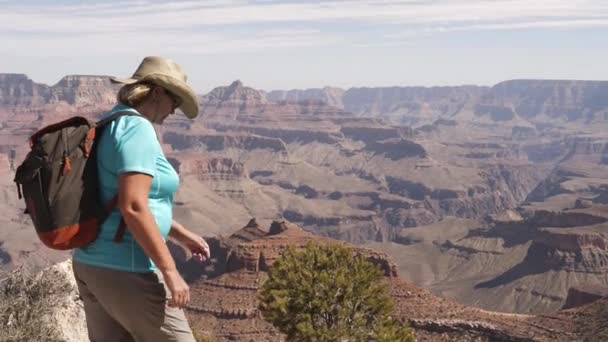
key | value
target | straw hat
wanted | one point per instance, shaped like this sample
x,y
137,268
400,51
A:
x,y
166,73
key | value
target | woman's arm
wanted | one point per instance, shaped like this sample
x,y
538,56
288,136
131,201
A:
x,y
133,191
177,231
193,242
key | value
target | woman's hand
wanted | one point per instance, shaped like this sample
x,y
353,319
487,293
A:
x,y
180,292
193,242
196,245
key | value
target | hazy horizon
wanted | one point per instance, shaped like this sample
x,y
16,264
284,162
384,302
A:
x,y
283,45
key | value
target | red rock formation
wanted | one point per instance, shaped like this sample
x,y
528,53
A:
x,y
89,91
229,102
247,105
225,306
82,90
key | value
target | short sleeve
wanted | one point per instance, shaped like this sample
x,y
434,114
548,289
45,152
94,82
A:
x,y
137,146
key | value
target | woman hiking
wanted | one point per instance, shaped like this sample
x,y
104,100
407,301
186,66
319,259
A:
x,y
130,285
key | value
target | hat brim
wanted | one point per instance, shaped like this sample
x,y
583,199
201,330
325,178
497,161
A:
x,y
181,89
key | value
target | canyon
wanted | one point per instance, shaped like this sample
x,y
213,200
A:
x,y
489,197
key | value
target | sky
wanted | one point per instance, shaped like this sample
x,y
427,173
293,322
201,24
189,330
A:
x,y
270,44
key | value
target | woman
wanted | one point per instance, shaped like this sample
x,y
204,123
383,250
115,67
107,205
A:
x,y
131,289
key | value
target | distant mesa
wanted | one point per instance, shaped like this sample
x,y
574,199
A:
x,y
564,100
237,92
330,95
18,89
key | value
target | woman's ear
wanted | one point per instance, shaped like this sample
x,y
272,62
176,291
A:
x,y
156,93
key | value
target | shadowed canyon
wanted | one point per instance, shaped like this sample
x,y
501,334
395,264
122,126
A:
x,y
474,200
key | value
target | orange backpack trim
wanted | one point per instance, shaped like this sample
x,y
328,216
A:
x,y
73,236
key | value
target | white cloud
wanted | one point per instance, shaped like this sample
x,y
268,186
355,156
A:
x,y
142,15
239,25
134,43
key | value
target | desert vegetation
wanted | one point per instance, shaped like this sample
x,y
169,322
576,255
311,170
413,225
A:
x,y
27,304
326,293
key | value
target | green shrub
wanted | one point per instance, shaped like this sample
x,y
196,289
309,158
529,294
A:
x,y
326,293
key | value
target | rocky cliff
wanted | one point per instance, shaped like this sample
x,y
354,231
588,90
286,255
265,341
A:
x,y
540,100
329,95
373,101
19,90
79,90
232,100
221,142
515,100
558,257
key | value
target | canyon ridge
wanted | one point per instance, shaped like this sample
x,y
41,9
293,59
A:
x,y
478,199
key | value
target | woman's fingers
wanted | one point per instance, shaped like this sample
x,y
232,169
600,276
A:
x,y
197,246
205,246
200,247
180,299
198,256
180,292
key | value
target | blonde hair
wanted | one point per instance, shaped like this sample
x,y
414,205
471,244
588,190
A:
x,y
133,95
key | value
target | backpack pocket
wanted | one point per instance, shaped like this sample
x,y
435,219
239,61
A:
x,y
31,181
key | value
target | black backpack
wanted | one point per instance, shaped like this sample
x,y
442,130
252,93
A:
x,y
58,180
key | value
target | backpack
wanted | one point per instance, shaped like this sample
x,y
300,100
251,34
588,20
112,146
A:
x,y
58,180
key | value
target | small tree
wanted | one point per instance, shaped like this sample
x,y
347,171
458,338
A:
x,y
326,293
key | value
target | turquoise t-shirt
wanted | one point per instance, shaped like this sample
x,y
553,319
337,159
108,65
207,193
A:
x,y
130,144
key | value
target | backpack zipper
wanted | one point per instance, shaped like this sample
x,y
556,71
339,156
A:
x,y
67,165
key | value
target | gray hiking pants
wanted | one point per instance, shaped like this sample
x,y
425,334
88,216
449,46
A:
x,y
124,306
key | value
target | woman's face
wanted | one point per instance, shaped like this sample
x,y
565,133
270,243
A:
x,y
166,104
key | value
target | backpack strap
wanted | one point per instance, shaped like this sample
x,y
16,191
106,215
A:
x,y
117,115
122,226
120,232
